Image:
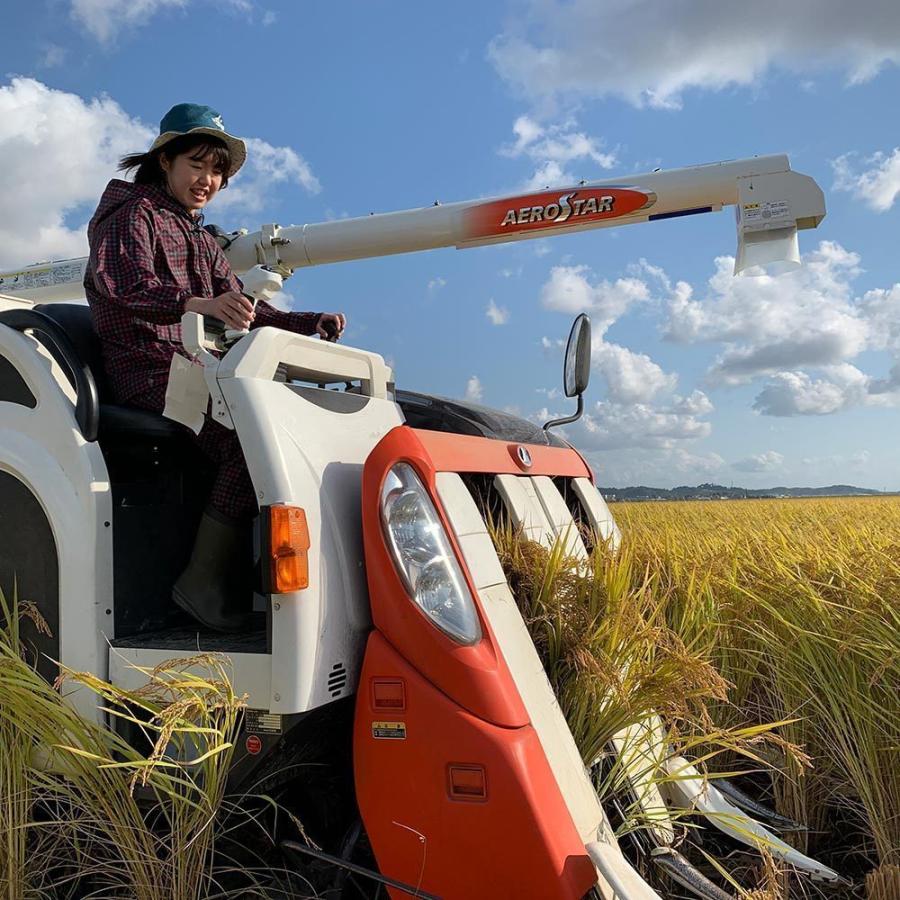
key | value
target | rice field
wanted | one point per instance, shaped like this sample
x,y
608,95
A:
x,y
767,633
797,605
764,634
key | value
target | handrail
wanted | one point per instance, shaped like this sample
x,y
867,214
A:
x,y
57,342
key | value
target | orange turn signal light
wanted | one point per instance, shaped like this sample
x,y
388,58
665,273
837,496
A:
x,y
288,546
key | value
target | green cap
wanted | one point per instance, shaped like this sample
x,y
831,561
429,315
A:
x,y
193,118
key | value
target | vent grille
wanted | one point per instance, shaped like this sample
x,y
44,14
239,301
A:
x,y
337,679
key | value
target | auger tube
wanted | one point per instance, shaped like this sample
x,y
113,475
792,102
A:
x,y
782,201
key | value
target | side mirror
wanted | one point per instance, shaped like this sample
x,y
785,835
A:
x,y
577,370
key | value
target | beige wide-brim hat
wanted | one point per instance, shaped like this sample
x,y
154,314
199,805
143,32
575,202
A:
x,y
192,118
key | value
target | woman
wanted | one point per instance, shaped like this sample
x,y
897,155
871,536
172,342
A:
x,y
150,262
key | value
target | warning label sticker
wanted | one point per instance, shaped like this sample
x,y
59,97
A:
x,y
389,730
259,721
45,276
770,212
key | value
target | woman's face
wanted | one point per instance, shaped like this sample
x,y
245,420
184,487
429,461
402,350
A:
x,y
193,182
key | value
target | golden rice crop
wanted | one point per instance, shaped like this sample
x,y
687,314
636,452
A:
x,y
795,603
766,631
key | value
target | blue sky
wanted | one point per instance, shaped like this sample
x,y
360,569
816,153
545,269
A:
x,y
360,107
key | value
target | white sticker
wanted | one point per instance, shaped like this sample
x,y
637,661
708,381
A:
x,y
769,212
32,279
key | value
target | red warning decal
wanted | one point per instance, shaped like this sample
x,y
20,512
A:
x,y
253,744
554,209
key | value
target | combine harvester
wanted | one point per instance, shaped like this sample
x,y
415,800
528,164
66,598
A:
x,y
388,646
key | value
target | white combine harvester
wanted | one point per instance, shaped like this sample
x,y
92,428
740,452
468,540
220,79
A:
x,y
387,645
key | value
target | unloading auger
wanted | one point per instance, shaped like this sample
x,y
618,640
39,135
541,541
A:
x,y
398,667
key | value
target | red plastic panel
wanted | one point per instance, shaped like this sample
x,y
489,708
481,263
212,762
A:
x,y
517,841
476,677
465,453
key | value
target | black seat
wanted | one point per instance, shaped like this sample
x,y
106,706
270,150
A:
x,y
117,423
160,482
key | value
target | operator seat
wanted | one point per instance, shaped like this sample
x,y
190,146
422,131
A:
x,y
160,482
117,423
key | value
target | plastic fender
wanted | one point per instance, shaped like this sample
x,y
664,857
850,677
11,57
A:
x,y
516,841
476,677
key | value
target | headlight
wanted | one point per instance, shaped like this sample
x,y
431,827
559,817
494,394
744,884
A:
x,y
424,557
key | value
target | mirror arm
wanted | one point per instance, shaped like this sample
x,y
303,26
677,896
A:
x,y
565,421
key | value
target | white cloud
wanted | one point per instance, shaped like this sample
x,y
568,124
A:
x,y
552,148
53,56
877,183
499,315
630,377
267,169
805,318
474,388
270,17
569,289
651,54
614,426
774,328
799,394
768,461
857,462
436,283
640,408
79,141
654,467
105,19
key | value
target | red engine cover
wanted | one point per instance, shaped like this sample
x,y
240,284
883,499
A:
x,y
426,705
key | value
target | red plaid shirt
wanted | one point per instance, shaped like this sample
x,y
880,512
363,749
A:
x,y
148,257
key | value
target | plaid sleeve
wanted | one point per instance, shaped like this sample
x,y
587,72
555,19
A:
x,y
223,279
122,264
298,322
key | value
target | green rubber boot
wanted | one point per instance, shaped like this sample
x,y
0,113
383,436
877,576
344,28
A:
x,y
215,587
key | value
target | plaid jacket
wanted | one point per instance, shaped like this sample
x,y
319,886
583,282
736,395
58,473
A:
x,y
148,257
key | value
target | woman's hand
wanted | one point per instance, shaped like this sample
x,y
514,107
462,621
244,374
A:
x,y
232,307
330,326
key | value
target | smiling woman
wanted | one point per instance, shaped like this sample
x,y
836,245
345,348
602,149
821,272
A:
x,y
151,261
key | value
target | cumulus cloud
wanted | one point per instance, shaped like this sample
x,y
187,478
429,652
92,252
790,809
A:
x,y
800,394
875,179
474,389
809,317
80,141
499,315
608,425
761,462
640,407
267,170
652,55
630,377
800,331
571,290
552,148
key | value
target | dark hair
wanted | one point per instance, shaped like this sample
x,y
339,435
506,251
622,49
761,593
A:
x,y
149,170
